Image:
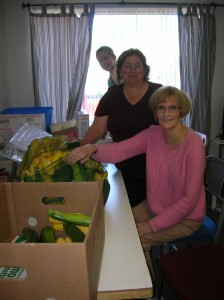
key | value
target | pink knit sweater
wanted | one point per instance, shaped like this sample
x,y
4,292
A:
x,y
175,186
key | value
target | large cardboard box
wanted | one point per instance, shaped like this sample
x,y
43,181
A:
x,y
54,271
47,111
10,123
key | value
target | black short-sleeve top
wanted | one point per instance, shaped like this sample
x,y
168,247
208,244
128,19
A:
x,y
125,119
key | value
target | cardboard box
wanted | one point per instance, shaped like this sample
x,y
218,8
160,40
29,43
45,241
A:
x,y
54,271
47,111
10,124
71,133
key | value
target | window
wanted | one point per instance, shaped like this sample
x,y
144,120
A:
x,y
153,31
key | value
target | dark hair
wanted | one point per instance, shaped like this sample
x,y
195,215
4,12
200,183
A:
x,y
132,52
106,49
161,95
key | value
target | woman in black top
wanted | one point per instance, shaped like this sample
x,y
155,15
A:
x,y
124,111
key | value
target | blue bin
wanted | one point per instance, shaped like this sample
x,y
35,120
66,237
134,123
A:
x,y
32,110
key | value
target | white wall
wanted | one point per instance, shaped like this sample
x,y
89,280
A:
x,y
4,88
16,82
19,54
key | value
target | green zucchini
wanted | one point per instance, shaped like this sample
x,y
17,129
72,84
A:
x,y
75,218
79,172
47,235
75,234
106,190
63,174
30,235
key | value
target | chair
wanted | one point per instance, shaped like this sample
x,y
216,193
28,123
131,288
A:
x,y
210,230
203,137
193,273
205,141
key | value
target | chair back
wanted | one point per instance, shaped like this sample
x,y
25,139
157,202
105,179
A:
x,y
205,141
214,185
203,137
214,176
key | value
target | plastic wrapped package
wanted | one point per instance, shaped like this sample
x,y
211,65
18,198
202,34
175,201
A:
x,y
19,143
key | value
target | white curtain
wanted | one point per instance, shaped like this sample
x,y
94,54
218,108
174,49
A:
x,y
153,29
61,43
197,39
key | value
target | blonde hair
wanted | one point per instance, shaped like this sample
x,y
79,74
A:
x,y
162,94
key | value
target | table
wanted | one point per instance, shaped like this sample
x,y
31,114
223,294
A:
x,y
220,143
124,272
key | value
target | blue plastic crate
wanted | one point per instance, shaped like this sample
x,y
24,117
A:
x,y
32,110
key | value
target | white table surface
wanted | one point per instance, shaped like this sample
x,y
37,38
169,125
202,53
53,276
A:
x,y
124,273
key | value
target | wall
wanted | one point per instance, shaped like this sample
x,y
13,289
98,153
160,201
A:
x,y
16,82
19,54
4,88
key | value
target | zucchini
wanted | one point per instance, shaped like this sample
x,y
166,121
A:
x,y
79,172
90,174
47,235
106,190
30,235
36,177
75,218
75,234
63,174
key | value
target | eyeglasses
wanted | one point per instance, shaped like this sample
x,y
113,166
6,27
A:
x,y
171,109
129,67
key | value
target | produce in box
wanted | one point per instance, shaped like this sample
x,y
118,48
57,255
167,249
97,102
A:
x,y
64,228
45,161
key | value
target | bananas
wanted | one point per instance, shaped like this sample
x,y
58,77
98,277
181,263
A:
x,y
41,153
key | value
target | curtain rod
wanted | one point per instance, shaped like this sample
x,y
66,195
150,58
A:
x,y
25,5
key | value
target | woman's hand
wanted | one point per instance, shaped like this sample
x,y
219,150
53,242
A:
x,y
81,154
143,228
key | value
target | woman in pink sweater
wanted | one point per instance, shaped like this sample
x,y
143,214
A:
x,y
175,164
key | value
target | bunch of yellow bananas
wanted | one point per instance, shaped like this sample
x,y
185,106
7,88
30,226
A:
x,y
40,153
45,162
